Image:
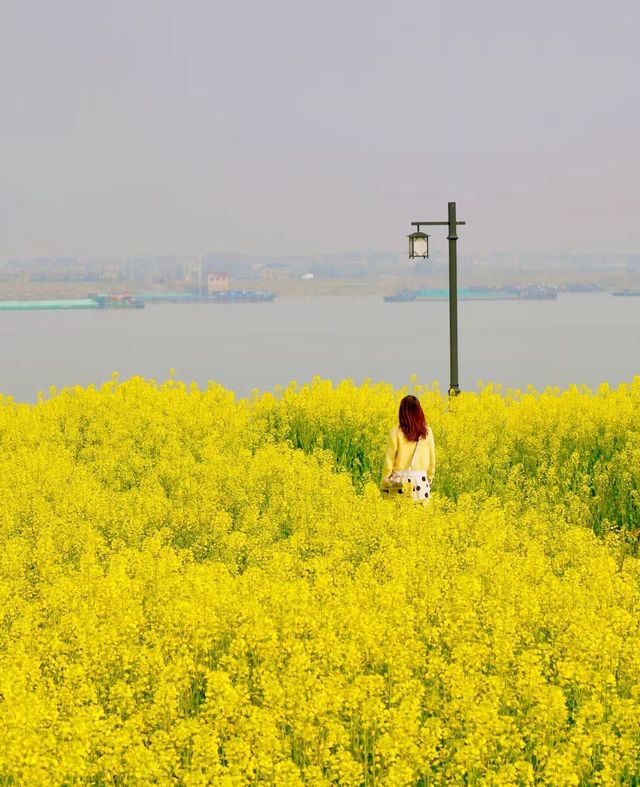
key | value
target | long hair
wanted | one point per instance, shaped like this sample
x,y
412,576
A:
x,y
411,418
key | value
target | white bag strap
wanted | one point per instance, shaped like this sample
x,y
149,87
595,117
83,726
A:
x,y
414,454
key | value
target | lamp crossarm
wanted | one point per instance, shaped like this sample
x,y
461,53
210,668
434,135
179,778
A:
x,y
434,223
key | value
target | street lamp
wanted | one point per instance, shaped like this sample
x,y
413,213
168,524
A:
x,y
419,247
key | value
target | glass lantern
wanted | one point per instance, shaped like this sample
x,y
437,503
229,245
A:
x,y
418,245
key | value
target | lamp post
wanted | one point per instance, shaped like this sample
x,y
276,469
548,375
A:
x,y
419,248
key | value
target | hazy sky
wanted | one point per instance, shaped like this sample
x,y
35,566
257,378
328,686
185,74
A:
x,y
282,127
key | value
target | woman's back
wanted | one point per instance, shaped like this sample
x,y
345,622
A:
x,y
400,452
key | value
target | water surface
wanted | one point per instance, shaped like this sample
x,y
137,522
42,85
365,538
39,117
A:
x,y
581,338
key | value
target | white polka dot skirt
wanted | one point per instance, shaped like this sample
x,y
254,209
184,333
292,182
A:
x,y
411,482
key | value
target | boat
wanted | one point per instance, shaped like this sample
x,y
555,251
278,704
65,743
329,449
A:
x,y
223,296
487,290
240,296
167,297
477,293
116,301
92,301
466,294
582,287
54,305
538,293
401,297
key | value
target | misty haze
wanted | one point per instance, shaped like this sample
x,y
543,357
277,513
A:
x,y
319,393
145,149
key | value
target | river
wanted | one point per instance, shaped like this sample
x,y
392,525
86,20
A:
x,y
578,338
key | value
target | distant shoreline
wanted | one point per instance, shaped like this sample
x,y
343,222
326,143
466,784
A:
x,y
20,289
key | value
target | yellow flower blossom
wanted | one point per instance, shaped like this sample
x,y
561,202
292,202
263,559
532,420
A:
x,y
198,590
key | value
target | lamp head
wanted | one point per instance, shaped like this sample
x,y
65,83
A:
x,y
418,245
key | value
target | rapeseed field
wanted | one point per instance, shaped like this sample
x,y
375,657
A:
x,y
197,590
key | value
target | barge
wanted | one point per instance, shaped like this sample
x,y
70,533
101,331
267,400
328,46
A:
x,y
532,293
94,301
223,296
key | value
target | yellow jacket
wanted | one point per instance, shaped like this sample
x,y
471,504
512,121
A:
x,y
400,450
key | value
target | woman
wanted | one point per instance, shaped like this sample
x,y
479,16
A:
x,y
411,453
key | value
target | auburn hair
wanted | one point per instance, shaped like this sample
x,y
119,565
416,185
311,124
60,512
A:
x,y
411,418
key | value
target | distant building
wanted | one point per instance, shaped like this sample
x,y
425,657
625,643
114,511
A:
x,y
217,282
275,270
